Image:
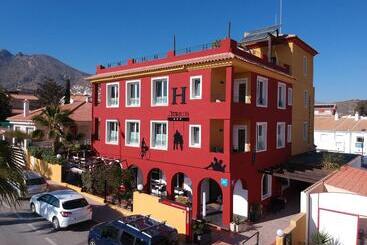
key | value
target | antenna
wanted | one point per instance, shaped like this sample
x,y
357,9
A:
x,y
174,43
229,30
280,15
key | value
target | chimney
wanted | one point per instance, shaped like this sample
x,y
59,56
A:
x,y
25,108
356,116
336,116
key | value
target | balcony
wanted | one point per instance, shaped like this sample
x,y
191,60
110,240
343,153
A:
x,y
217,136
218,85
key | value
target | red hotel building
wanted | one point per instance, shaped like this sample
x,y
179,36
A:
x,y
200,124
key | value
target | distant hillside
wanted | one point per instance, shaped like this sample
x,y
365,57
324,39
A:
x,y
347,107
22,71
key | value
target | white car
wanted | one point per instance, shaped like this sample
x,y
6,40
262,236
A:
x,y
61,207
34,183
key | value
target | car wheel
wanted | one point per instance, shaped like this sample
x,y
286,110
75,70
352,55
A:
x,y
55,224
33,208
92,242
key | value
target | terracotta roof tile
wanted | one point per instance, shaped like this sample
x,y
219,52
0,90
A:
x,y
350,179
342,124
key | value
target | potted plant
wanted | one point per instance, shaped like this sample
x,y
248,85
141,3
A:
x,y
255,212
238,224
201,232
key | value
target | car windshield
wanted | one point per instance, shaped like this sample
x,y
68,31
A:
x,y
36,181
76,203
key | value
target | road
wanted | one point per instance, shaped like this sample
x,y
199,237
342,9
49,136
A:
x,y
20,226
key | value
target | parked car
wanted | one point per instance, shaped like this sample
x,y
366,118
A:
x,y
133,230
34,183
61,207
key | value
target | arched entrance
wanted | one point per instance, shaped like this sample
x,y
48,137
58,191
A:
x,y
240,200
182,186
211,201
137,174
157,182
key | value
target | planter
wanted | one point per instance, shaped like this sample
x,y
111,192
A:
x,y
242,227
232,227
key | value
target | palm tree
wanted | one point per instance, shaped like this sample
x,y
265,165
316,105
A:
x,y
12,181
54,120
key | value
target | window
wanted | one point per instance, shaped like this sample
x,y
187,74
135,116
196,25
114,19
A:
x,y
289,133
159,91
239,138
16,128
110,232
305,65
305,98
261,133
132,129
265,186
240,91
305,131
75,203
112,95
159,135
132,93
359,142
195,136
280,135
281,95
290,96
127,238
112,132
29,130
97,93
195,87
96,128
262,92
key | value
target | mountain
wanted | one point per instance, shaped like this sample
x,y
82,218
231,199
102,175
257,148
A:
x,y
24,72
347,107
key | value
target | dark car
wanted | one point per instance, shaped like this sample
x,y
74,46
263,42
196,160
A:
x,y
133,230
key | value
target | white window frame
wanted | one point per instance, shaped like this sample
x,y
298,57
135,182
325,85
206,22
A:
x,y
235,137
264,80
127,94
127,121
106,127
267,195
283,87
290,96
282,136
118,94
305,65
289,133
151,134
236,89
192,78
305,98
191,126
305,131
152,87
265,137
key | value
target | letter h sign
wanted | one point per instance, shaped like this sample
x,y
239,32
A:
x,y
182,95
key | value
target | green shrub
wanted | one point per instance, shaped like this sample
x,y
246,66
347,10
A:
x,y
331,161
87,181
35,151
49,156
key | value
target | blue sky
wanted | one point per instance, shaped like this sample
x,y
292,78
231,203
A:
x,y
85,33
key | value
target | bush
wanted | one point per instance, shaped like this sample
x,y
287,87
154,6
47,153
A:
x,y
94,180
331,161
35,151
44,154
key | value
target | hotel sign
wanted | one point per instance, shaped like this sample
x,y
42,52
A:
x,y
178,116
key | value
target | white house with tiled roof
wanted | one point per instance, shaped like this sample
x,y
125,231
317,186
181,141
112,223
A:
x,y
346,134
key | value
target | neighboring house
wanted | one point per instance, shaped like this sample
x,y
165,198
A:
x,y
341,134
81,113
325,109
202,124
337,205
17,99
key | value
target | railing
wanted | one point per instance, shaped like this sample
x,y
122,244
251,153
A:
x,y
200,47
257,234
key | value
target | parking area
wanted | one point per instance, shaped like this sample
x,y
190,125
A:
x,y
20,226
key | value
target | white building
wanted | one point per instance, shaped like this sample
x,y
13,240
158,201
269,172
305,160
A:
x,y
341,134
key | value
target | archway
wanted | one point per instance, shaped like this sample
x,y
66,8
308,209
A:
x,y
182,186
211,201
240,200
157,182
137,174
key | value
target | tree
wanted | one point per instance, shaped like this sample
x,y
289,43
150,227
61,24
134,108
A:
x,y
11,177
55,121
362,107
49,92
5,107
